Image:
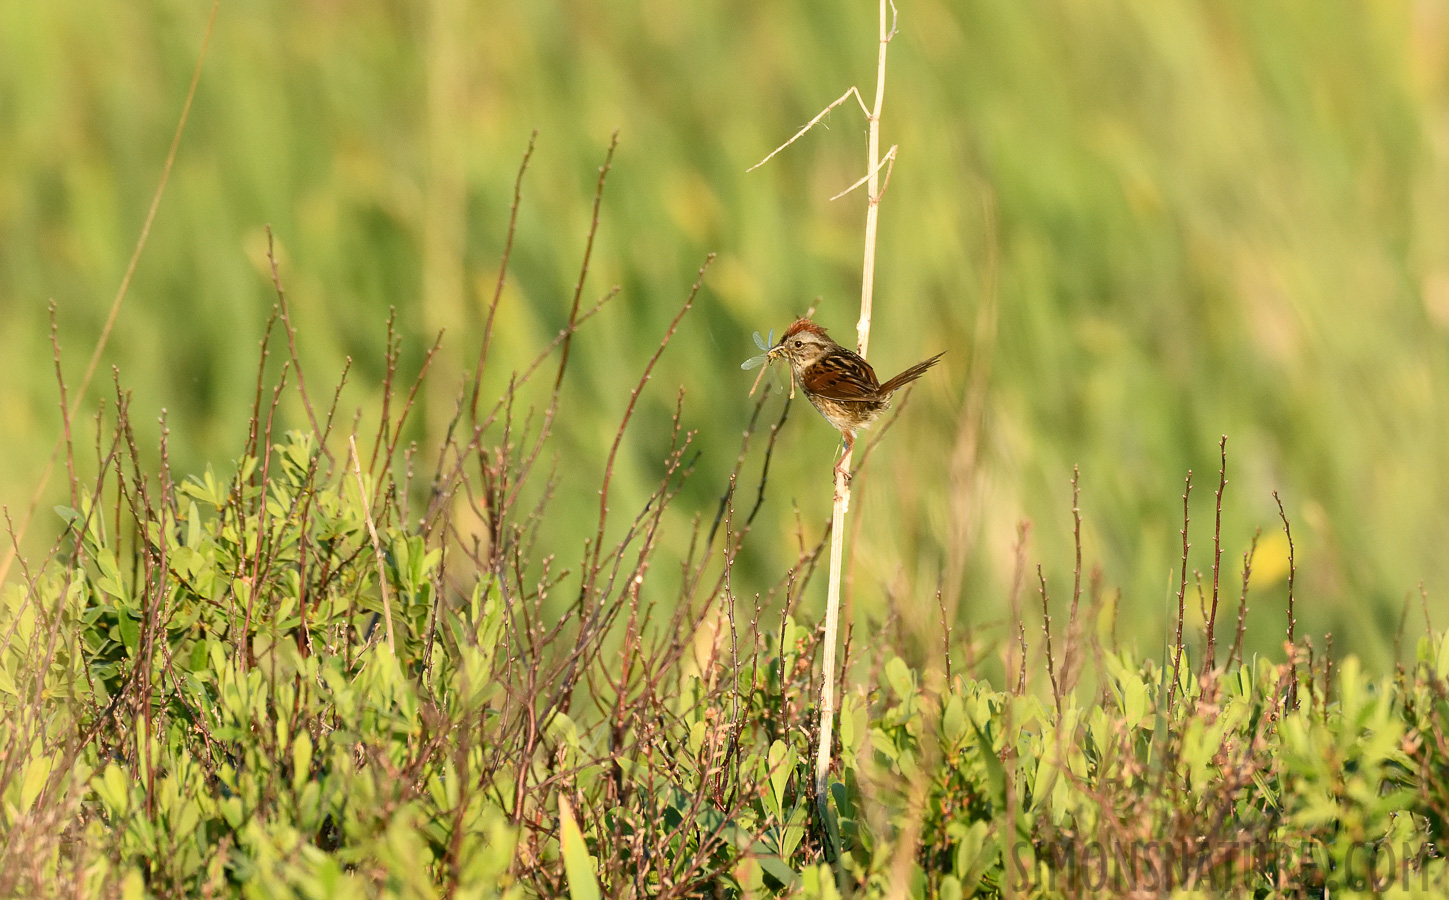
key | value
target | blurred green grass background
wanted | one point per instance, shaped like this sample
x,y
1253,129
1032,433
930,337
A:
x,y
1135,226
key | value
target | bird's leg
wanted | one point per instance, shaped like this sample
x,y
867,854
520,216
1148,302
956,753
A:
x,y
849,444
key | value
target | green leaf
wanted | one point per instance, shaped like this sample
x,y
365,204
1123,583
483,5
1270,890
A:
x,y
301,759
995,771
782,766
776,869
36,774
793,832
231,810
696,735
187,821
902,680
840,793
1134,699
819,883
1160,733
133,885
974,856
563,730
130,632
583,884
854,723
1245,681
113,789
110,583
953,721
787,637
1441,664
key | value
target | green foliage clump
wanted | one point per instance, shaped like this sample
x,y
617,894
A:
x,y
282,682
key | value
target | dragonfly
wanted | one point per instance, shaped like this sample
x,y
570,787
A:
x,y
764,344
767,346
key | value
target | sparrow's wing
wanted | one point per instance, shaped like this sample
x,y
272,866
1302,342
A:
x,y
841,376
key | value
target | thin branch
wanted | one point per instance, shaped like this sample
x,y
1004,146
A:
x,y
584,266
888,162
1211,659
1237,650
1046,627
588,584
502,273
1181,596
813,122
1292,621
376,544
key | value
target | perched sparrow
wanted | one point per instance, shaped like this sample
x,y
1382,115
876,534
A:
x,y
839,382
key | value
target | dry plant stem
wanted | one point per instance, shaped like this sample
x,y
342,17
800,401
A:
x,y
376,544
823,751
1292,622
64,417
1046,628
390,359
588,584
257,572
85,383
502,273
842,484
254,423
729,605
1181,597
563,359
1237,650
1023,531
397,428
1210,660
888,163
945,632
873,190
1070,663
851,92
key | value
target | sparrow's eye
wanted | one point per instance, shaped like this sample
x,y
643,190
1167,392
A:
x,y
799,344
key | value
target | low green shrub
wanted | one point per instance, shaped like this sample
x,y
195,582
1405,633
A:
x,y
227,686
323,675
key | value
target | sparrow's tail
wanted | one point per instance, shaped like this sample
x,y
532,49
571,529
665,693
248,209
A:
x,y
910,374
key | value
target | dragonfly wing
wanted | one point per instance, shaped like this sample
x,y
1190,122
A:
x,y
765,345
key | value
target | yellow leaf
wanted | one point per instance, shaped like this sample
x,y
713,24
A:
x,y
36,774
579,868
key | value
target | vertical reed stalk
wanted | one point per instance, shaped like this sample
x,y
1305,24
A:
x,y
842,483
